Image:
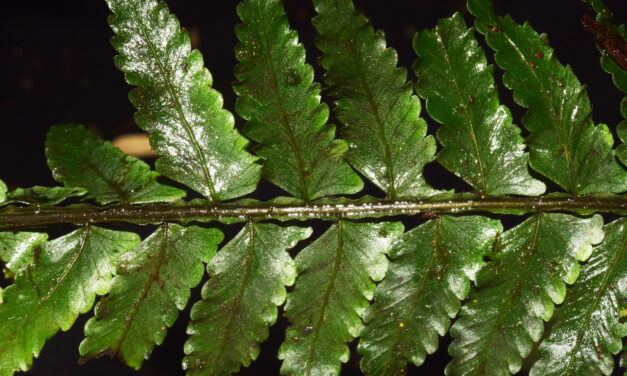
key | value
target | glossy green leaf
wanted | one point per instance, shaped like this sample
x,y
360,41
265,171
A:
x,y
517,290
336,281
3,191
480,143
565,146
374,100
61,284
239,302
20,249
430,271
193,135
282,105
38,195
585,330
78,158
152,286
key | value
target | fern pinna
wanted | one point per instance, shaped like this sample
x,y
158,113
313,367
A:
x,y
545,296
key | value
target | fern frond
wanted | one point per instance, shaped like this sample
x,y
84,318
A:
x,y
49,294
152,285
333,289
374,100
429,273
78,158
585,330
480,143
188,128
517,290
239,302
18,250
282,105
565,146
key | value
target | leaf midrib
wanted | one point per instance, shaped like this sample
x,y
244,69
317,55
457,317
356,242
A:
x,y
59,280
478,371
436,250
151,279
285,122
179,108
123,195
357,62
552,111
327,296
238,297
452,73
608,274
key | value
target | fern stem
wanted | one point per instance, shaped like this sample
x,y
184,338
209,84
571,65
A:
x,y
28,217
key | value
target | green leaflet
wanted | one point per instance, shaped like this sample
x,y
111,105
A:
x,y
597,5
78,158
517,290
283,109
565,146
333,290
604,18
152,286
3,191
175,103
619,75
480,143
239,302
61,284
38,195
18,250
585,330
428,275
374,100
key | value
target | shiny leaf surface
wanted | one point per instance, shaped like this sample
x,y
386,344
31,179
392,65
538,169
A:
x,y
565,146
152,286
78,158
3,191
430,271
61,284
175,103
282,105
585,330
38,195
239,302
335,283
374,100
481,145
517,290
18,250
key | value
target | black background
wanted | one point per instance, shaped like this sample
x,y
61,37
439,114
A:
x,y
56,67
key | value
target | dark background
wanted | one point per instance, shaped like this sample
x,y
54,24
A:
x,y
57,67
